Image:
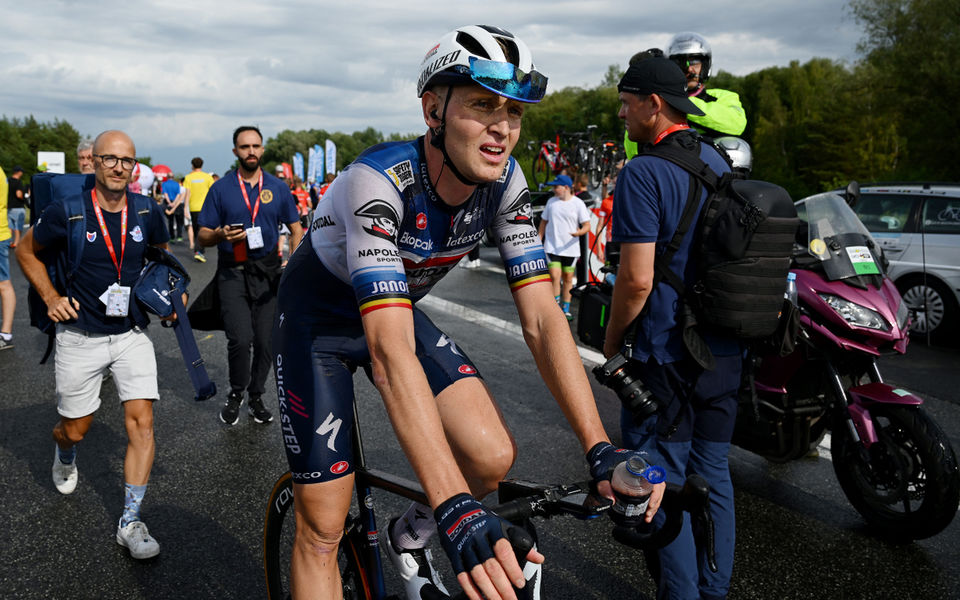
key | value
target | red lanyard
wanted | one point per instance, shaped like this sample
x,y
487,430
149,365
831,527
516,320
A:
x,y
669,130
243,188
106,234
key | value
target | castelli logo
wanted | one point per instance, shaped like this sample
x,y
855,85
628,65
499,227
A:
x,y
421,221
467,370
340,467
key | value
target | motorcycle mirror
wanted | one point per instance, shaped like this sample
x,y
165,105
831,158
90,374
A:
x,y
852,194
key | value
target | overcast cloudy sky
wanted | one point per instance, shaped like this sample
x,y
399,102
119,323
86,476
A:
x,y
180,76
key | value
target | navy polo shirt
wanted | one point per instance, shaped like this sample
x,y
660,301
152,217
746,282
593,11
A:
x,y
224,205
97,270
648,203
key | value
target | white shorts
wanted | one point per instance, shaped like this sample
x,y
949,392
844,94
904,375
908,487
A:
x,y
83,358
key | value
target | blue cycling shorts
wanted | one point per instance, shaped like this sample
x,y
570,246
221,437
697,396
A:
x,y
314,375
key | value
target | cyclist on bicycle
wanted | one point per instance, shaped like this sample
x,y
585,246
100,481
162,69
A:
x,y
390,226
723,114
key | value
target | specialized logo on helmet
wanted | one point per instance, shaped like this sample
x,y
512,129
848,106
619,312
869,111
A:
x,y
266,196
436,65
519,210
401,174
384,221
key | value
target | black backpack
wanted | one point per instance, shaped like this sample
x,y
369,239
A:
x,y
742,249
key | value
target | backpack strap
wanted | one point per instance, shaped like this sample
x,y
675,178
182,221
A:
x,y
73,209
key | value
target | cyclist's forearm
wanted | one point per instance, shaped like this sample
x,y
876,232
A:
x,y
547,334
413,412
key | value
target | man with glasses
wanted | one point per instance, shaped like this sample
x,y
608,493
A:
x,y
100,327
241,216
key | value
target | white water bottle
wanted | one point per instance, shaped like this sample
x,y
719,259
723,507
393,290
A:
x,y
632,482
791,291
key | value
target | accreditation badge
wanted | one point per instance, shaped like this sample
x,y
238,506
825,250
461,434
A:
x,y
117,299
254,238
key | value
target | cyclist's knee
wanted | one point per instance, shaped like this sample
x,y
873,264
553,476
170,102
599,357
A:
x,y
317,537
487,471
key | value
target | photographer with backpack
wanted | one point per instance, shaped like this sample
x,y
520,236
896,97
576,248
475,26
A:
x,y
688,419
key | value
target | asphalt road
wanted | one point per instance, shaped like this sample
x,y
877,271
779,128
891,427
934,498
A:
x,y
798,537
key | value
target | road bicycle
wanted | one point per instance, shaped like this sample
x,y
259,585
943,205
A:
x,y
359,558
549,161
611,153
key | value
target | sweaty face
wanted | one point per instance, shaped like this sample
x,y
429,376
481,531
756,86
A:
x,y
482,129
248,150
116,144
85,161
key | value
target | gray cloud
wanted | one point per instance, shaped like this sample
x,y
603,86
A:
x,y
179,76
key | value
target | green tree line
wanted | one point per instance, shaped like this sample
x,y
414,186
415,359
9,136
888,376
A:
x,y
21,139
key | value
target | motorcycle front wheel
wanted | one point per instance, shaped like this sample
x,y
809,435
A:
x,y
907,484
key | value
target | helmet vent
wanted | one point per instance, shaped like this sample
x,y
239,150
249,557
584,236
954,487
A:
x,y
472,45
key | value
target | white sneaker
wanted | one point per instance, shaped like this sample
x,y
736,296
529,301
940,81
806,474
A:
x,y
415,568
64,476
137,540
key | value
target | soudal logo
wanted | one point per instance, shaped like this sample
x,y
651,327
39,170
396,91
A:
x,y
340,467
322,221
416,243
467,370
463,522
421,221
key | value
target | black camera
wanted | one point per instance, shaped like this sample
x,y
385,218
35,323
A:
x,y
615,374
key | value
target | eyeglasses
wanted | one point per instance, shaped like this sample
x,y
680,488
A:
x,y
506,80
110,161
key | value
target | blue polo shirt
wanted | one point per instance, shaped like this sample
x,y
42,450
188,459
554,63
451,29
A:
x,y
97,270
648,203
224,205
171,187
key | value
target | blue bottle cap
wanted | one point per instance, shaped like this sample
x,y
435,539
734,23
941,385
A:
x,y
791,276
655,474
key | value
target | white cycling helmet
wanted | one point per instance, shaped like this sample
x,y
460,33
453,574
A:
x,y
689,45
486,55
738,150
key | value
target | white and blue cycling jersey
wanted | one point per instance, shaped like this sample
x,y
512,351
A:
x,y
380,237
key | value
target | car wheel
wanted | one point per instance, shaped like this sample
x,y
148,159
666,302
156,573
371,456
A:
x,y
933,308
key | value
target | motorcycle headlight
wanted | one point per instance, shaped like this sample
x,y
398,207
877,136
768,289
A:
x,y
853,313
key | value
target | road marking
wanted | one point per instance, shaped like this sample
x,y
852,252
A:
x,y
590,356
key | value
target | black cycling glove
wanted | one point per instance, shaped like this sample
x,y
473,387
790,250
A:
x,y
468,531
604,457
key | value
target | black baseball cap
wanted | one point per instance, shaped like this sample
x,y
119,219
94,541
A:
x,y
660,76
17,169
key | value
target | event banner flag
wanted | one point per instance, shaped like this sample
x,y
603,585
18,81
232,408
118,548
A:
x,y
318,168
311,164
298,166
331,157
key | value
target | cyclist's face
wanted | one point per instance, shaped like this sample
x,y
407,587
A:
x,y
481,132
692,69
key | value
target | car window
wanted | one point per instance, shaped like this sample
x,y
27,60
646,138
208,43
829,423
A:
x,y
942,215
884,212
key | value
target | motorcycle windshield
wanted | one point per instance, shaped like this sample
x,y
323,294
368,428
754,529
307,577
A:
x,y
837,238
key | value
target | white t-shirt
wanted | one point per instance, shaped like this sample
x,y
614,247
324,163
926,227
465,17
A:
x,y
563,217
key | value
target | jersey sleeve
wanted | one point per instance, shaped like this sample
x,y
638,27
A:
x,y
371,211
724,114
517,239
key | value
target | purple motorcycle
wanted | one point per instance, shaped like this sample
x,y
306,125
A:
x,y
893,461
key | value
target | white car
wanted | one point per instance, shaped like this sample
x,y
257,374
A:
x,y
918,227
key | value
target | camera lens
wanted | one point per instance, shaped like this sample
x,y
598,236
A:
x,y
637,399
